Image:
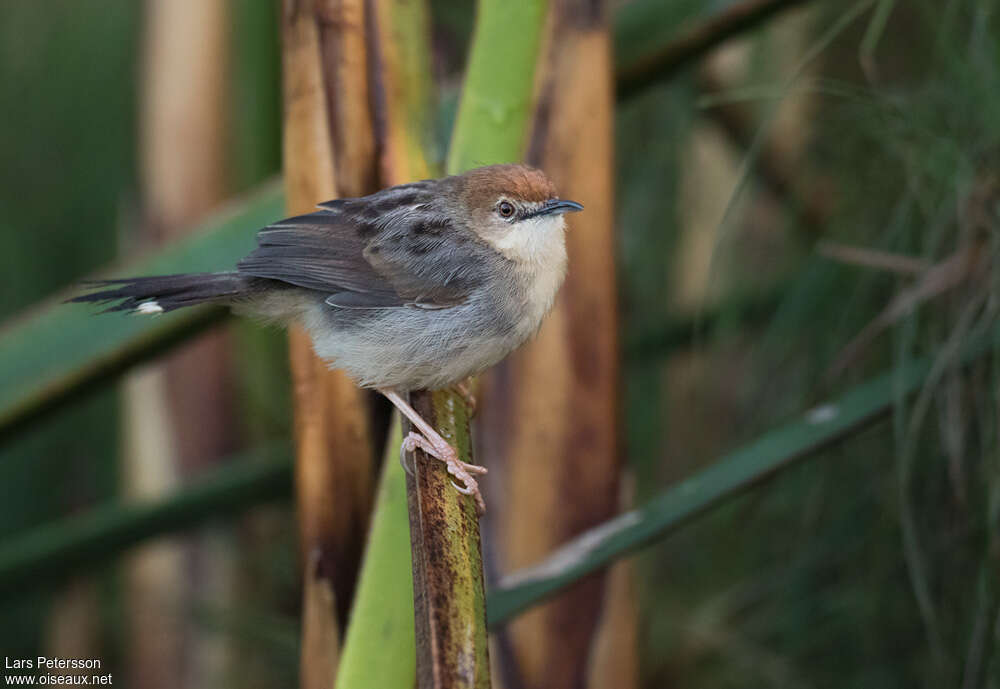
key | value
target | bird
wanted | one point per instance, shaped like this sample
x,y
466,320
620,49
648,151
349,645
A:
x,y
417,286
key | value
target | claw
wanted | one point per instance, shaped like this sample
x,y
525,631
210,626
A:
x,y
457,468
461,489
431,442
403,449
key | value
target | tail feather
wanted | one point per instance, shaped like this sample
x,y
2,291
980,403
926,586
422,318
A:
x,y
161,293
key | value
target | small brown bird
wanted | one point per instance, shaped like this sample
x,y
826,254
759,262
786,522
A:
x,y
417,286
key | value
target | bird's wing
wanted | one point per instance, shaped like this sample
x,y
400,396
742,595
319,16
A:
x,y
371,253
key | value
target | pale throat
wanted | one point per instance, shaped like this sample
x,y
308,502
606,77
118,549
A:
x,y
536,241
538,247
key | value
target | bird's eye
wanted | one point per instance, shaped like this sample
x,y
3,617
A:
x,y
505,209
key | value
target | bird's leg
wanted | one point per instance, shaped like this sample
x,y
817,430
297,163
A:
x,y
431,442
463,389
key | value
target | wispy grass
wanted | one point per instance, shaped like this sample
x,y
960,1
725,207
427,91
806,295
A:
x,y
883,549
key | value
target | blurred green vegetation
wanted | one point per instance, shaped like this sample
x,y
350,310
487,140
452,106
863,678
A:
x,y
68,89
69,83
875,564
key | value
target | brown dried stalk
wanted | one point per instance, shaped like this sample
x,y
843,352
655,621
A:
x,y
329,152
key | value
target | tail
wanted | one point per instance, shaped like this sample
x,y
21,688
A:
x,y
162,293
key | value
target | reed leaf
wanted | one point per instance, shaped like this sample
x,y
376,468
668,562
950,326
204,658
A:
x,y
55,351
379,649
804,436
67,547
96,537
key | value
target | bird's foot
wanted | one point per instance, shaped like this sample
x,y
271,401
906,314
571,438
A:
x,y
456,467
463,389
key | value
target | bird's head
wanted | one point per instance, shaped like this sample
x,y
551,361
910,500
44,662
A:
x,y
515,209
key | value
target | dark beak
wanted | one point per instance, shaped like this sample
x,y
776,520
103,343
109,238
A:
x,y
559,206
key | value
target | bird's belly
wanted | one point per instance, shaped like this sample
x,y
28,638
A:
x,y
409,348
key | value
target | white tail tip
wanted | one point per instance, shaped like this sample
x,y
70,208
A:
x,y
149,307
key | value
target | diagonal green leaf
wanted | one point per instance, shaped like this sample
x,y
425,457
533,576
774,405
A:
x,y
381,624
730,475
62,548
59,350
53,550
650,49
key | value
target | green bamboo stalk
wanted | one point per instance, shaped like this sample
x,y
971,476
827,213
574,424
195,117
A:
x,y
449,596
495,109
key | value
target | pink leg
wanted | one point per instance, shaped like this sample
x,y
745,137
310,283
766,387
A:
x,y
464,390
431,442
